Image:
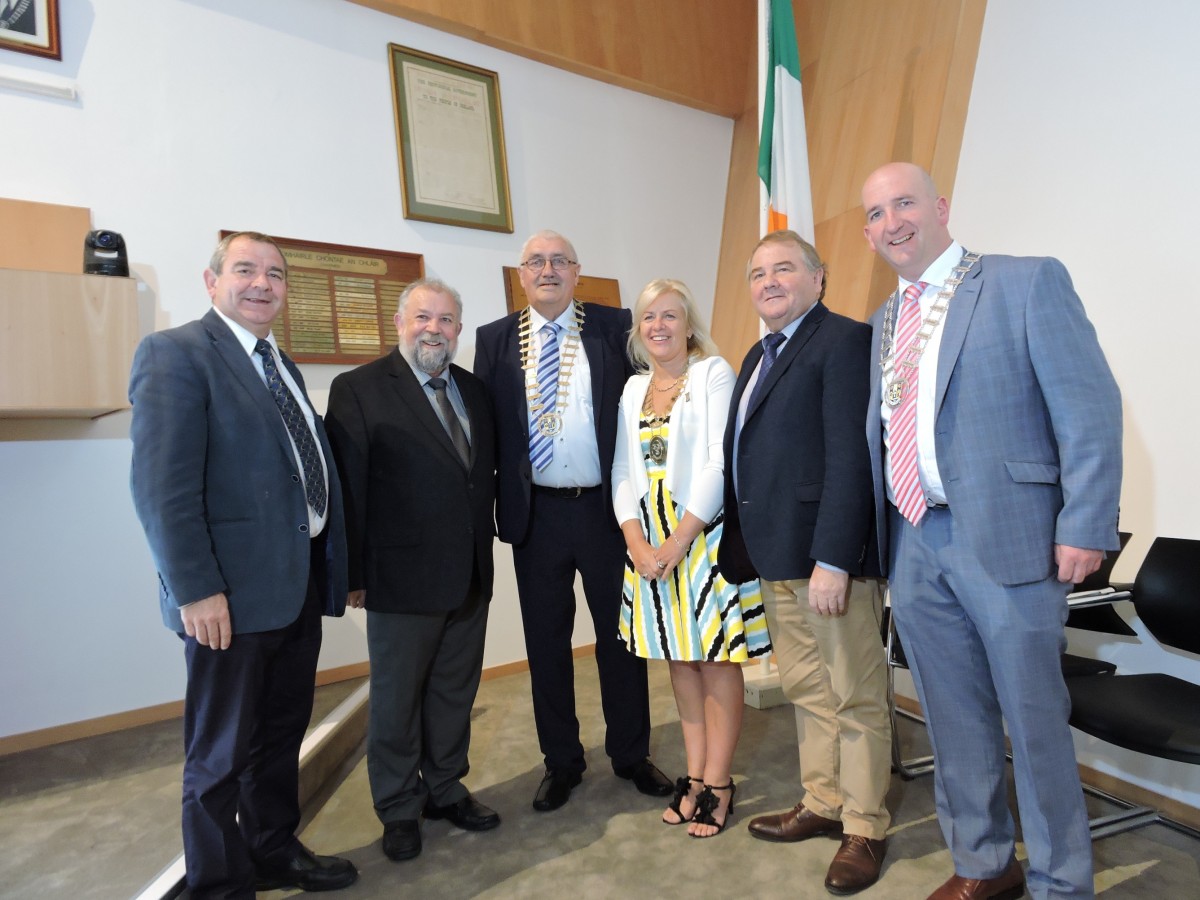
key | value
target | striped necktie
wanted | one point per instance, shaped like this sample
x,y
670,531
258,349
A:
x,y
541,446
297,426
902,429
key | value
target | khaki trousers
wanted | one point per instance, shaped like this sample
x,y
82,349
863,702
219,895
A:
x,y
833,671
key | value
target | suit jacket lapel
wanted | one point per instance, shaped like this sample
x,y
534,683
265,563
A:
x,y
246,375
958,318
593,346
791,350
511,349
410,392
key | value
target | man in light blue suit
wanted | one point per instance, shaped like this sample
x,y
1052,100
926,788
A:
x,y
995,434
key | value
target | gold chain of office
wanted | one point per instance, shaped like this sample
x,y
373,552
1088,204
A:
x,y
549,423
898,364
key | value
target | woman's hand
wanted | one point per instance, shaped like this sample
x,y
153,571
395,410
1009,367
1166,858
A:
x,y
669,555
645,562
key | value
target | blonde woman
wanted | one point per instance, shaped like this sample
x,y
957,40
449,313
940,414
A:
x,y
668,483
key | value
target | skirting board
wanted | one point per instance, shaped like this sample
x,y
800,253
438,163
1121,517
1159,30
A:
x,y
146,715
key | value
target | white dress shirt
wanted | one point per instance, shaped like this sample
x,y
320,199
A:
x,y
576,460
316,523
931,479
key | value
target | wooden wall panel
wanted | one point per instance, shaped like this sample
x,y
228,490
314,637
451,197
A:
x,y
694,53
882,81
44,237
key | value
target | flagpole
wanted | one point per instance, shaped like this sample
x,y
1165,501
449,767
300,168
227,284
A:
x,y
764,36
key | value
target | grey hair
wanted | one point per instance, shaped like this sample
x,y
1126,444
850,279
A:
x,y
434,284
217,263
812,259
547,235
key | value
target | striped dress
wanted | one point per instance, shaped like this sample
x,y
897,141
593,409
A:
x,y
693,614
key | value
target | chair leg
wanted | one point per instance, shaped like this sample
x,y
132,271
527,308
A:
x,y
1129,817
908,769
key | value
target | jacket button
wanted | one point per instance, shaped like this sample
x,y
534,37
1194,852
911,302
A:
x,y
304,529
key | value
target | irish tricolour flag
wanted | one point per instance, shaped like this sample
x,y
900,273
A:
x,y
782,146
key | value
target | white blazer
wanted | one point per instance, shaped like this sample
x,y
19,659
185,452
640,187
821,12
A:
x,y
695,473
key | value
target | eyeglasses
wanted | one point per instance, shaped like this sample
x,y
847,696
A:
x,y
558,263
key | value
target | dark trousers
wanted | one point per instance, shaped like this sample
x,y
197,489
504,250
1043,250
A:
x,y
569,535
245,715
425,670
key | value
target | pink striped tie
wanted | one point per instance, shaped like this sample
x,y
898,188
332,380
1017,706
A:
x,y
902,429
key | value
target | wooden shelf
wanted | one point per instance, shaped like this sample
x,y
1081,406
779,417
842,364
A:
x,y
66,344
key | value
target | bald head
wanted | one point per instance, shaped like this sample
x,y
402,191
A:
x,y
907,220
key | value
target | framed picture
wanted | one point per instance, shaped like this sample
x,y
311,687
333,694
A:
x,y
450,139
30,26
340,300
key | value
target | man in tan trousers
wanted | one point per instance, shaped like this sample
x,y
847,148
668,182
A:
x,y
799,509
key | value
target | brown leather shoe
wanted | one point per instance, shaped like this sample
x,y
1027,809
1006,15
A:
x,y
1008,885
856,865
797,824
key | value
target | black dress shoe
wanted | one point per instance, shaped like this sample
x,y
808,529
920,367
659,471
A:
x,y
646,778
308,872
555,789
401,840
468,814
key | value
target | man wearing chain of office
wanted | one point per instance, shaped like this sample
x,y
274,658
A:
x,y
555,371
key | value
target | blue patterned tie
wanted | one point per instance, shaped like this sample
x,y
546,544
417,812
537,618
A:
x,y
770,348
541,446
297,426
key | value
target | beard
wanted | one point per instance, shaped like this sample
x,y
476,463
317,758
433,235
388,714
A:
x,y
430,360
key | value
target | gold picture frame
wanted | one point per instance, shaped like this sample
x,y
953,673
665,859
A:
x,y
31,26
450,141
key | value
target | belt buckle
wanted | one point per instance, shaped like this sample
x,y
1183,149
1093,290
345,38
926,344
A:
x,y
573,492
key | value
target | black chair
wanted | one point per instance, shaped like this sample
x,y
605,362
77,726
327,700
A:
x,y
1155,714
1096,612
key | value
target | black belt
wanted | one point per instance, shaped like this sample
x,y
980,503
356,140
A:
x,y
568,492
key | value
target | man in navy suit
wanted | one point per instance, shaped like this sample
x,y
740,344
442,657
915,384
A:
x,y
234,483
413,438
555,372
798,516
995,438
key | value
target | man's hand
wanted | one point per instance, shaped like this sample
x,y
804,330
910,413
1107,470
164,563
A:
x,y
1075,563
827,591
357,599
207,621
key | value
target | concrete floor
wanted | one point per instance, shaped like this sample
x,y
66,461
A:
x,y
99,818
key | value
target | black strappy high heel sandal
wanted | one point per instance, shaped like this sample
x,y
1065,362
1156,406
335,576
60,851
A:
x,y
683,787
706,805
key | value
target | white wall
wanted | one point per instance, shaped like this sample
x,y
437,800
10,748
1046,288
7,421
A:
x,y
198,115
1082,142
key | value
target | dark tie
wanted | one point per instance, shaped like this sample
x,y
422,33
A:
x,y
450,419
297,426
770,350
